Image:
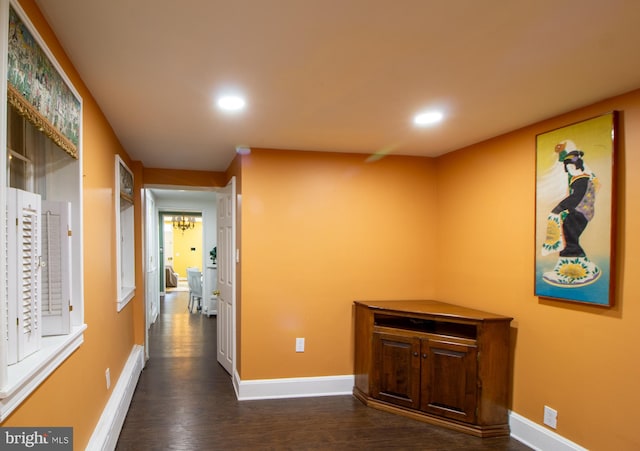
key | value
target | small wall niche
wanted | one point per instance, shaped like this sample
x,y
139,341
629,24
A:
x,y
125,244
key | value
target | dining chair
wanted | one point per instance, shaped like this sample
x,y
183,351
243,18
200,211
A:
x,y
194,279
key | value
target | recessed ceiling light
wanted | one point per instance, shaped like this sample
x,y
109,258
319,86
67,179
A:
x,y
427,118
231,103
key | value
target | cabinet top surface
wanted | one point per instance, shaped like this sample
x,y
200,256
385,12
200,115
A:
x,y
429,307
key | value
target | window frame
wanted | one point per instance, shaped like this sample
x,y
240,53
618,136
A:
x,y
18,381
125,234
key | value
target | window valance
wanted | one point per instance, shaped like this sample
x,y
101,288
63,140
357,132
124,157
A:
x,y
37,90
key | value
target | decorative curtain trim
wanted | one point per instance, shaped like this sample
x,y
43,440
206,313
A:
x,y
24,108
37,89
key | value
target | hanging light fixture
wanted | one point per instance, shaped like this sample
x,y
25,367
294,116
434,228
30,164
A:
x,y
184,223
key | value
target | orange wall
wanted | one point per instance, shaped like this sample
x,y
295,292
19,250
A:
x,y
175,177
320,230
578,359
75,395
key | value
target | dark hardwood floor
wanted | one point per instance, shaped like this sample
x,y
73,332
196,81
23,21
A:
x,y
185,401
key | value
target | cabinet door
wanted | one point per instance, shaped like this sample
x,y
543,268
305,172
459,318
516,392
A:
x,y
396,369
449,385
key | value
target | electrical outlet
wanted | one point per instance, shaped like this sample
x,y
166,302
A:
x,y
107,375
299,344
550,417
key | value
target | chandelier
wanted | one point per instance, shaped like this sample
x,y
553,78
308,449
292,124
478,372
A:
x,y
184,223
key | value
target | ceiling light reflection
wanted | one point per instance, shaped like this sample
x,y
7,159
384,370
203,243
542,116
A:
x,y
231,103
428,118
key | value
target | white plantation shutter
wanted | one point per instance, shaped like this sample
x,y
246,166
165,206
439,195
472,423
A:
x,y
23,273
56,268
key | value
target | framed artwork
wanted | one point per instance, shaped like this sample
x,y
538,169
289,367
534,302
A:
x,y
575,211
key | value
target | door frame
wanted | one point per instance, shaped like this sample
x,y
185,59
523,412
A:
x,y
161,257
233,259
193,207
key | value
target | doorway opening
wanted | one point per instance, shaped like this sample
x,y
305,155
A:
x,y
162,204
181,247
218,255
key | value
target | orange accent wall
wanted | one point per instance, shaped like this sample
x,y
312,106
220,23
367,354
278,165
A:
x,y
578,359
320,230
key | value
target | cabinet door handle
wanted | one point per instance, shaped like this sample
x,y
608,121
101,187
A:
x,y
424,356
415,354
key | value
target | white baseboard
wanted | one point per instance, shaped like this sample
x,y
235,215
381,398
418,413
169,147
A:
x,y
298,387
105,435
539,437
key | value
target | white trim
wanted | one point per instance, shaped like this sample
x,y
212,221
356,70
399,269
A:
x,y
25,376
125,235
235,381
539,437
105,435
4,50
297,387
127,294
235,220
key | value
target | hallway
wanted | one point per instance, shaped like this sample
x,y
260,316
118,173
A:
x,y
185,401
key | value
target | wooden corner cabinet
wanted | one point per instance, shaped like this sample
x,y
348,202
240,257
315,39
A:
x,y
435,362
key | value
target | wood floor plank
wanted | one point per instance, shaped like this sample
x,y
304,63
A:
x,y
185,401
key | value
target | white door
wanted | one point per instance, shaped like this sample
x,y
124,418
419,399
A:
x,y
152,252
226,225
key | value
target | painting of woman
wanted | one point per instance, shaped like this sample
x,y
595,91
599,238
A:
x,y
575,200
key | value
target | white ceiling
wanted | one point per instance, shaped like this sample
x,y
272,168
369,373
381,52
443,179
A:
x,y
340,75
